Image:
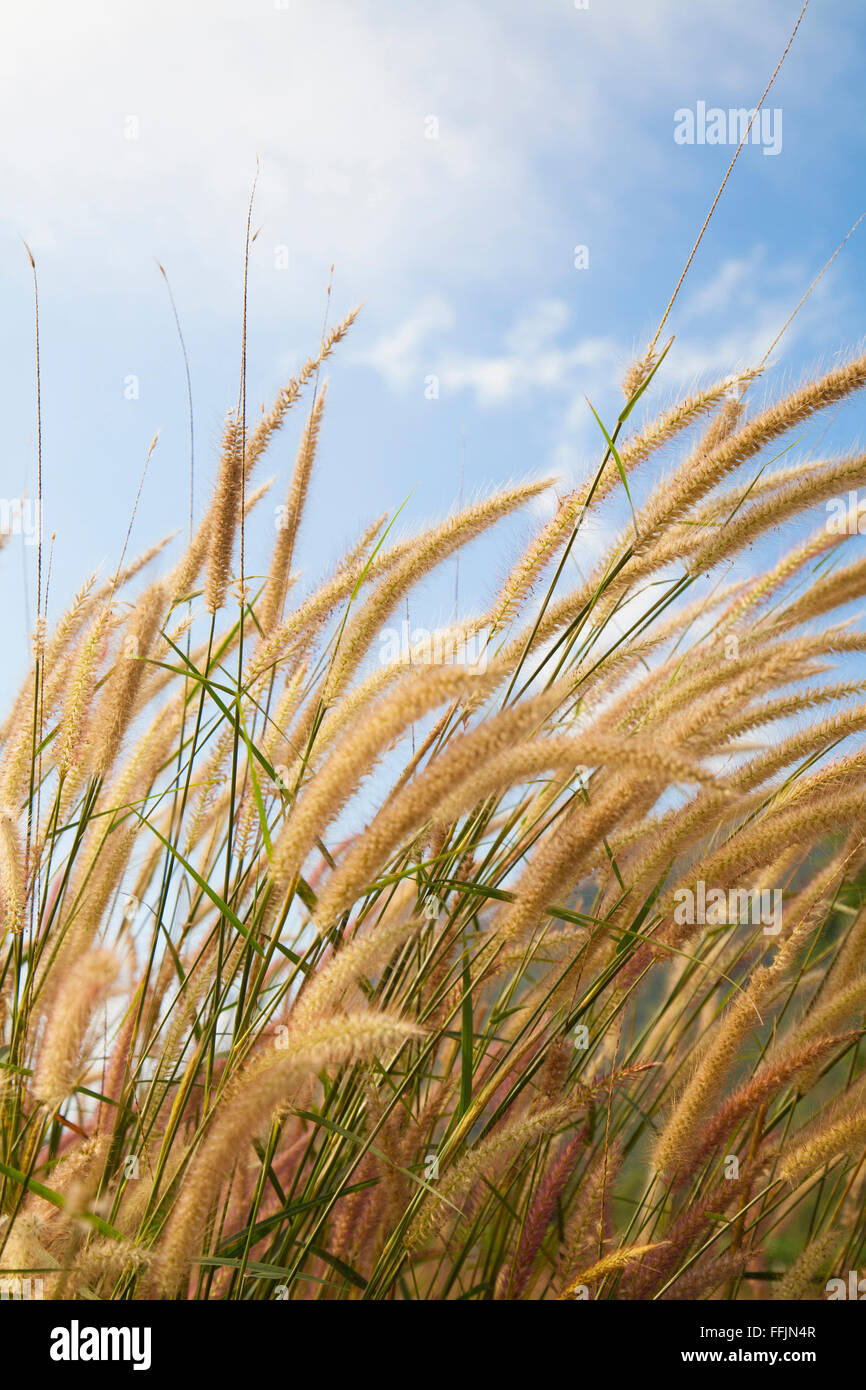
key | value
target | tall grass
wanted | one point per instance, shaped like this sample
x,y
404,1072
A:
x,y
260,1040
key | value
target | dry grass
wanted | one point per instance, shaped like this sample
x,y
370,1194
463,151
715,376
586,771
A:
x,y
256,1038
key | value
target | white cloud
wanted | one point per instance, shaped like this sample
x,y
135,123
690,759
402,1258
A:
x,y
333,96
396,355
536,328
531,360
730,320
725,323
510,376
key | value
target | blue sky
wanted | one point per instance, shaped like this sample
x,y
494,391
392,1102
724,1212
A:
x,y
555,129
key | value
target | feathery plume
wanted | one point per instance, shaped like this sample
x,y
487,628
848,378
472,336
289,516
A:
x,y
84,987
118,697
290,520
262,1087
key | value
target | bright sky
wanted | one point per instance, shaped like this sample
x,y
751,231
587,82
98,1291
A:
x,y
130,134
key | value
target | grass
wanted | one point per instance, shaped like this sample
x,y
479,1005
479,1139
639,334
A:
x,y
473,1048
527,963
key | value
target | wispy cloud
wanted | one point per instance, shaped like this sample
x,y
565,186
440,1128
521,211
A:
x,y
532,357
128,128
726,322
